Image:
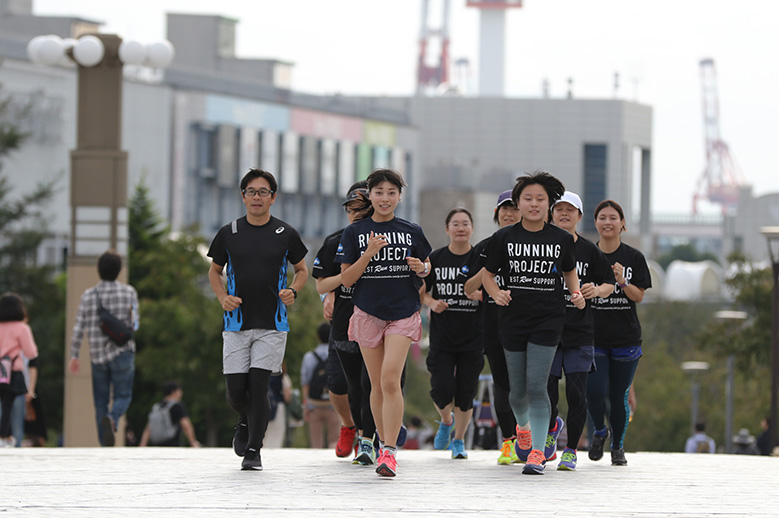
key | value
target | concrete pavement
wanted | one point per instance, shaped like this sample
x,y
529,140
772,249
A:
x,y
75,482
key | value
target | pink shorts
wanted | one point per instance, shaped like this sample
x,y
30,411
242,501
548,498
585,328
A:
x,y
369,331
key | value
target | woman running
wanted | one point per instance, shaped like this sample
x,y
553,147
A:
x,y
383,257
531,256
576,354
617,334
456,354
506,213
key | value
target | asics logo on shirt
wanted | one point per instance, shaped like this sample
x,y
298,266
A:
x,y
340,247
316,262
280,230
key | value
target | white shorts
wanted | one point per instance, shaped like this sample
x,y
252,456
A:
x,y
252,349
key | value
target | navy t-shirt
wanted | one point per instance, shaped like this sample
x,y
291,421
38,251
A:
x,y
255,263
389,288
532,264
325,266
615,317
459,327
591,266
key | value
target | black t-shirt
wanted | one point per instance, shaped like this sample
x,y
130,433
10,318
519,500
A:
x,y
389,288
255,261
458,328
489,308
591,266
532,265
325,266
615,317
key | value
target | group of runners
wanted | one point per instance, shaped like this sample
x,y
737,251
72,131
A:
x,y
536,298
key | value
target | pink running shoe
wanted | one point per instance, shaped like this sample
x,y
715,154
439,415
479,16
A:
x,y
387,465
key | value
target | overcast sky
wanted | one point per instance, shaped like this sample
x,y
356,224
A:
x,y
370,47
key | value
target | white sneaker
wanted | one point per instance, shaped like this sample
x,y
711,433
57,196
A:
x,y
8,442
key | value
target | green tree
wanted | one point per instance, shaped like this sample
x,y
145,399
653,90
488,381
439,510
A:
x,y
23,227
686,252
180,332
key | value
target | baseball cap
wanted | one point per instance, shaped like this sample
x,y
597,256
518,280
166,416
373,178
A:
x,y
356,194
572,198
503,198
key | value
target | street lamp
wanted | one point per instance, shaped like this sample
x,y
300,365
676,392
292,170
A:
x,y
733,316
772,237
98,184
693,369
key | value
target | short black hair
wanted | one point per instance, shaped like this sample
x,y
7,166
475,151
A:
x,y
259,173
109,265
700,426
12,308
323,332
385,175
552,185
169,388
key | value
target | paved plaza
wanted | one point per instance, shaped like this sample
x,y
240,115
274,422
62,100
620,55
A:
x,y
114,482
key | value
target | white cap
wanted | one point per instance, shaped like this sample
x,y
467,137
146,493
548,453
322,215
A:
x,y
572,198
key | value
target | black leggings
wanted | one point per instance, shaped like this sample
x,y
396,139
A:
x,y
500,379
613,379
575,394
7,399
247,394
359,390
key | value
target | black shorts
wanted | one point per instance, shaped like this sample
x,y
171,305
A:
x,y
518,343
336,379
573,359
454,376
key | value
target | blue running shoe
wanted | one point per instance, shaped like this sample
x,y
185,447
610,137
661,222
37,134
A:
x,y
402,435
523,444
443,436
458,449
567,460
550,448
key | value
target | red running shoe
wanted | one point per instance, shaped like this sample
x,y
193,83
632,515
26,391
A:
x,y
345,443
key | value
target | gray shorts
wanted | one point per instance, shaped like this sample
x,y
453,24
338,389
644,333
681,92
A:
x,y
253,348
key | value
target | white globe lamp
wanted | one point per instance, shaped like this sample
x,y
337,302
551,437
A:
x,y
89,51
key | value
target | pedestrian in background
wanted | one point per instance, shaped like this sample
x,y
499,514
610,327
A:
x,y
113,364
16,342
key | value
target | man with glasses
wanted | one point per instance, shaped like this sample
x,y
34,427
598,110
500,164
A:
x,y
253,251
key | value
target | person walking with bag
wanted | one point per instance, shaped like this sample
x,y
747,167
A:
x,y
15,340
113,362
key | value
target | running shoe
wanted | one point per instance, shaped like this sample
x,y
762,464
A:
x,y
507,454
443,436
458,449
535,463
567,460
618,457
345,441
402,436
523,444
598,440
367,455
387,465
550,448
251,461
241,438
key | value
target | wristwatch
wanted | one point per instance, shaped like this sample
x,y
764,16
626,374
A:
x,y
294,292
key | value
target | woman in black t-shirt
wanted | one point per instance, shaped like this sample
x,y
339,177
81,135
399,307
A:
x,y
534,258
456,356
506,213
617,334
576,353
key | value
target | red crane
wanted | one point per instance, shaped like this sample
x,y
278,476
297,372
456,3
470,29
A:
x,y
431,76
722,178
